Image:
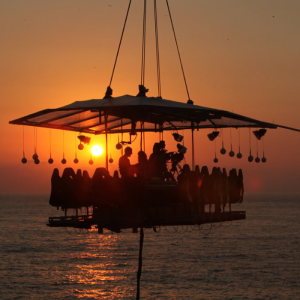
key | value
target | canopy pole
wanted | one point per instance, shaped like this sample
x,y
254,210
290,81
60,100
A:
x,y
106,144
139,272
193,151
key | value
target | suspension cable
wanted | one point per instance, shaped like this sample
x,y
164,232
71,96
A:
x,y
143,67
178,49
112,75
157,50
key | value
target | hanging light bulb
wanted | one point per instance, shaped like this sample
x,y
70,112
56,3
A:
x,y
110,145
35,157
119,145
75,159
263,158
239,155
80,146
257,159
231,153
91,160
24,159
63,161
250,157
223,150
215,159
50,160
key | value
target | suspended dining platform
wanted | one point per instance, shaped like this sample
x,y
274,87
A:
x,y
115,203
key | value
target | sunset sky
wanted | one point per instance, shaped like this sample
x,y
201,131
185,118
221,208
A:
x,y
240,56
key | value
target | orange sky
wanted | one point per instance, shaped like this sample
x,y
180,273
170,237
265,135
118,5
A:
x,y
241,56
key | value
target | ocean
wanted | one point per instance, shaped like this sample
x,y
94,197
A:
x,y
256,258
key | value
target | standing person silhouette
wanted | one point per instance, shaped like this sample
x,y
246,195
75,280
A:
x,y
124,163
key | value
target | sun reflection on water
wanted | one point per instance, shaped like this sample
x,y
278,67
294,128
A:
x,y
101,268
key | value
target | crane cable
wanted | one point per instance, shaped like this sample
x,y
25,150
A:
x,y
157,51
178,49
143,67
120,43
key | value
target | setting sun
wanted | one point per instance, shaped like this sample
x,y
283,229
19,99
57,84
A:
x,y
97,150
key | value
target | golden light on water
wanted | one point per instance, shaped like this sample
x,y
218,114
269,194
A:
x,y
97,150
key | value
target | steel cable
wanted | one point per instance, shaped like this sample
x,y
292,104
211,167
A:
x,y
112,75
177,49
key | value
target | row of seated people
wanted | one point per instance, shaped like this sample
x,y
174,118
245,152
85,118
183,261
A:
x,y
75,190
217,188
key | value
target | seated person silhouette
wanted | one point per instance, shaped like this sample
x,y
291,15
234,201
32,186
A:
x,y
153,160
124,163
142,167
56,189
158,159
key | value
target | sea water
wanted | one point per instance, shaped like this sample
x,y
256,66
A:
x,y
256,258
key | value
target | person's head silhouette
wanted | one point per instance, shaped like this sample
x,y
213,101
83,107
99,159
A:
x,y
128,151
142,156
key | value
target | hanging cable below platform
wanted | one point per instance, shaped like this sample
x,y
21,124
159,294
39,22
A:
x,y
139,272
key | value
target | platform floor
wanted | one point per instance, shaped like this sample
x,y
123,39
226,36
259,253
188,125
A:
x,y
116,219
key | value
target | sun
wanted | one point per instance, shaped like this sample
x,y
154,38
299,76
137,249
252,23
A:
x,y
97,150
